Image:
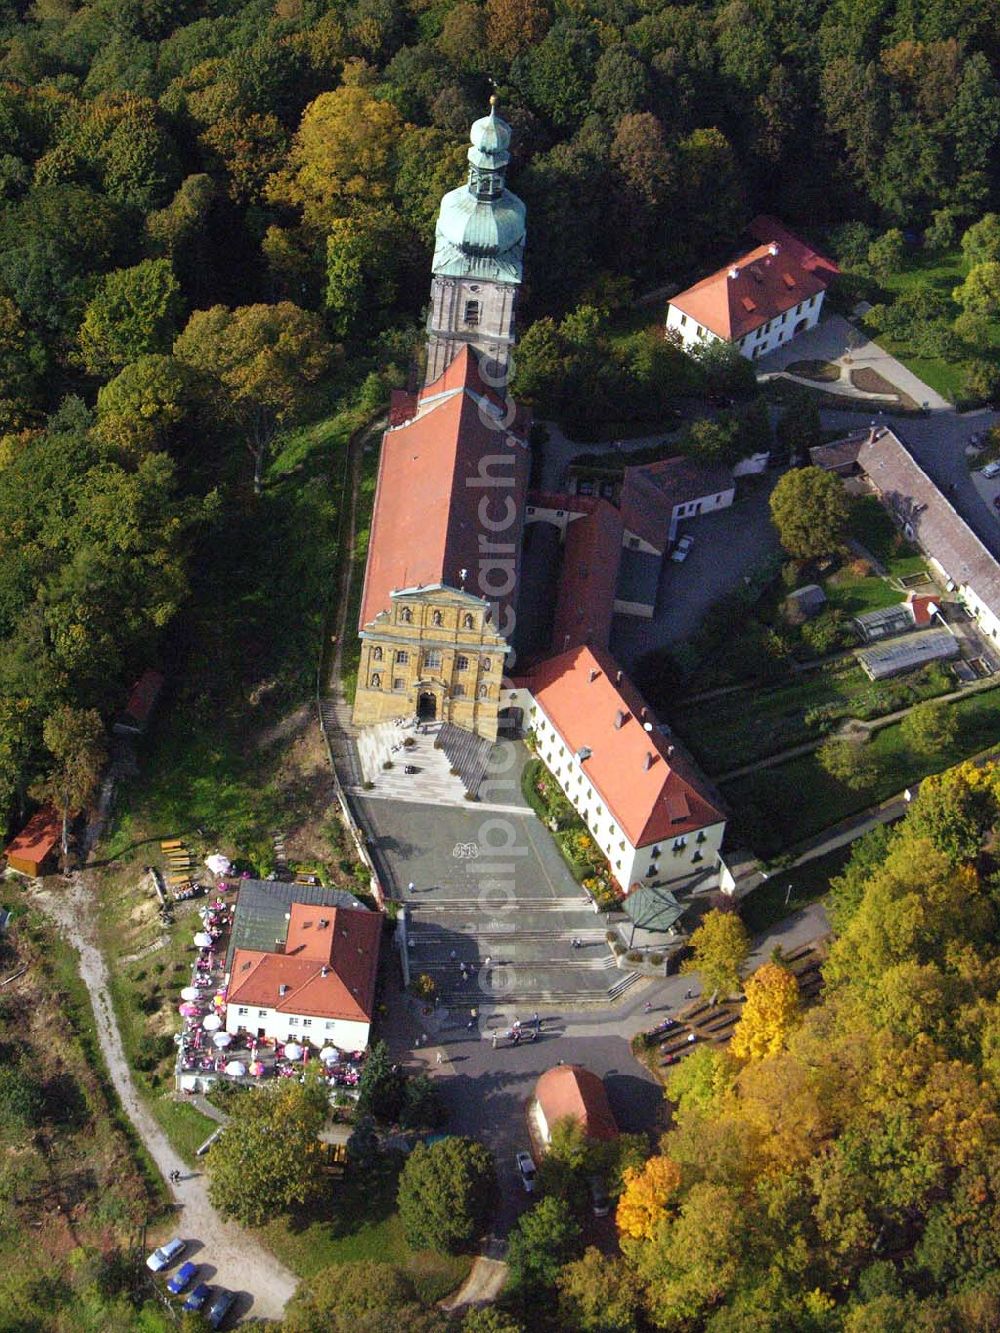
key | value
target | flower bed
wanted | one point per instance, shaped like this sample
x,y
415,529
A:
x,y
583,856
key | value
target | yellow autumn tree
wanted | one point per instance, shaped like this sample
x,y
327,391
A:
x,y
644,1198
770,1013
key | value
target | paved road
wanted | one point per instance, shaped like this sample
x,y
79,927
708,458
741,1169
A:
x,y
487,1091
230,1256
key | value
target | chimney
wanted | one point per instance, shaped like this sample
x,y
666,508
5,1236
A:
x,y
734,272
647,763
282,989
594,673
619,720
773,248
324,971
323,923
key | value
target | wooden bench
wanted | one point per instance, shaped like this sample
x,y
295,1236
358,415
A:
x,y
170,844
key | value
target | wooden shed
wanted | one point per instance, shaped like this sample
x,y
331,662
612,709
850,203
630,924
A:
x,y
33,851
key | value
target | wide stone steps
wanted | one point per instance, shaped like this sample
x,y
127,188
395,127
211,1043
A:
x,y
421,963
468,753
445,906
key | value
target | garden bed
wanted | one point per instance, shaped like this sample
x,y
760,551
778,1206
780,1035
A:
x,y
815,370
777,808
589,865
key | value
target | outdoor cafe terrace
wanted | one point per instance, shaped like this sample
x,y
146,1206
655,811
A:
x,y
207,1053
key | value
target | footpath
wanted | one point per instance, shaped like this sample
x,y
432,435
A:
x,y
234,1258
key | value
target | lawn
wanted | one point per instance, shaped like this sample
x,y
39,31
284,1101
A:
x,y
943,271
771,902
776,808
855,594
736,729
358,1220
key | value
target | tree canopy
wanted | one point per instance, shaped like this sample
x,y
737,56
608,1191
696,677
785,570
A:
x,y
809,509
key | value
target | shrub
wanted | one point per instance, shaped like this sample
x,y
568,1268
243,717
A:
x,y
387,763
633,956
611,936
618,948
656,959
368,785
409,742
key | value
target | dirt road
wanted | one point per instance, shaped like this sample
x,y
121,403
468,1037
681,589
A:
x,y
231,1258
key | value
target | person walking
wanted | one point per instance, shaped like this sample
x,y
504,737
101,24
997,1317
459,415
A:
x,y
647,1007
440,1057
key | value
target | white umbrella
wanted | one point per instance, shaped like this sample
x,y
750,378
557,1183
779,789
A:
x,y
293,1050
222,1039
189,993
203,939
218,864
236,1069
211,1022
329,1055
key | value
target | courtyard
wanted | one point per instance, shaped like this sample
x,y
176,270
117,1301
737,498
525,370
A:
x,y
492,892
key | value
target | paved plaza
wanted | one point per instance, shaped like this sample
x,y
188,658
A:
x,y
491,892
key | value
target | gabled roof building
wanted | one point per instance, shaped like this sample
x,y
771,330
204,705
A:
x,y
316,983
649,809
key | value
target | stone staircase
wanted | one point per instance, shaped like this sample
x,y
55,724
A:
x,y
467,752
335,718
386,743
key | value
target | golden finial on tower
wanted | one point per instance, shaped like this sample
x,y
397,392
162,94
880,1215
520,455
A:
x,y
493,99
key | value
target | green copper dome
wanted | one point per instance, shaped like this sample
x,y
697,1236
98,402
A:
x,y
480,228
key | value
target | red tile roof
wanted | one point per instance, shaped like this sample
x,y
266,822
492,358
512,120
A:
x,y
922,607
648,782
145,693
645,509
36,842
586,599
572,1090
427,520
770,279
328,968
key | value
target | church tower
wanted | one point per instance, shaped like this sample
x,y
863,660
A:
x,y
478,258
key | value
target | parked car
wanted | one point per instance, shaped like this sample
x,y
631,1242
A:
x,y
680,551
166,1254
996,501
526,1170
600,1204
182,1277
220,1307
991,469
197,1297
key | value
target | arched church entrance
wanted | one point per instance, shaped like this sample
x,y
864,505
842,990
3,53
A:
x,y
426,706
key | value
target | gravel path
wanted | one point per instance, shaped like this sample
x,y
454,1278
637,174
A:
x,y
237,1260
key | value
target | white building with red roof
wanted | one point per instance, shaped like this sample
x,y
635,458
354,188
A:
x,y
317,984
649,809
759,301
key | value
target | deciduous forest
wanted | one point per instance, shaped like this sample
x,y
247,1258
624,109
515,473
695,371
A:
x,y
216,218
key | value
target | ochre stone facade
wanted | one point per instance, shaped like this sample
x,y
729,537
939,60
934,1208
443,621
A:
x,y
434,654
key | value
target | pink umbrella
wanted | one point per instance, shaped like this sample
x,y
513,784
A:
x,y
257,1068
189,1010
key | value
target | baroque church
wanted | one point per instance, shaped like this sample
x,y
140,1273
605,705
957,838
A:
x,y
439,606
439,599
